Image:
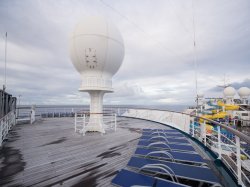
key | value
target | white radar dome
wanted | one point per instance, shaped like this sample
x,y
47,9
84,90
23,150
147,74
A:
x,y
244,92
229,91
97,51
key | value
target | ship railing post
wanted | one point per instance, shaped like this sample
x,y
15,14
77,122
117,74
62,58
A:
x,y
193,129
237,139
14,116
83,125
219,142
75,120
204,133
32,115
1,133
11,120
118,111
8,122
234,123
115,122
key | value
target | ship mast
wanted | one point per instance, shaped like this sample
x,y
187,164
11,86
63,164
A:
x,y
195,58
5,62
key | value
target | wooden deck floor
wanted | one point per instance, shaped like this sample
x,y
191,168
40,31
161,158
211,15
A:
x,y
50,153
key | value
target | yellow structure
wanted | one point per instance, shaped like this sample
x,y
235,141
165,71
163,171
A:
x,y
227,106
217,113
214,116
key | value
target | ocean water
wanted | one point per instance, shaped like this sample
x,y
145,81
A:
x,y
25,109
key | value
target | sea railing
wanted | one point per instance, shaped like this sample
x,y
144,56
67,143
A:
x,y
6,124
85,120
233,150
59,112
26,114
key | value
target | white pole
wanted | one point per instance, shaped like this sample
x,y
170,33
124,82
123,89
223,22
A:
x,y
193,129
195,59
1,133
237,139
204,132
19,101
115,122
5,62
75,121
219,142
84,129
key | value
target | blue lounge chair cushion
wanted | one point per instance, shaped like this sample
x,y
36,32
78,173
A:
x,y
161,130
179,136
168,133
180,156
127,178
172,146
180,170
170,140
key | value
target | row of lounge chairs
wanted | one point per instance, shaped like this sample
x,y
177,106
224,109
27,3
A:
x,y
165,158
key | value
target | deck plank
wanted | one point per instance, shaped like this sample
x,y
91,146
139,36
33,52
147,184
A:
x,y
50,153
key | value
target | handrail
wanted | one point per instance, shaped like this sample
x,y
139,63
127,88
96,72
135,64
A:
x,y
88,113
6,115
6,124
239,134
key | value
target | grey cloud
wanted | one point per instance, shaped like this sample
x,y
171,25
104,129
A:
x,y
158,44
236,85
245,83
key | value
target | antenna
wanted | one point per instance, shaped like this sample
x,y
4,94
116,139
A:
x,y
225,84
195,58
5,60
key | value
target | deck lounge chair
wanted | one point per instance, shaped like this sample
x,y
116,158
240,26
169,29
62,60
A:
x,y
162,130
179,170
176,136
127,178
164,138
171,155
169,133
165,145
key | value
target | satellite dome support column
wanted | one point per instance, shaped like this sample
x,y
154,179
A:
x,y
96,111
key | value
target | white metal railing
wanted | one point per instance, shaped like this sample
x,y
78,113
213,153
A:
x,y
57,112
178,120
85,121
6,124
229,150
29,114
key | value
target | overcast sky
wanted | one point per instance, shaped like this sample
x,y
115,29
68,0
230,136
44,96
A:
x,y
158,67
